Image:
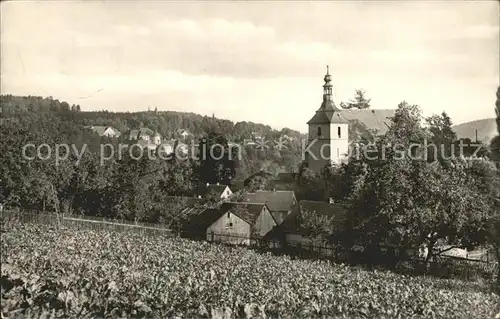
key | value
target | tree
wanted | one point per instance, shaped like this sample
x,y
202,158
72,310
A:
x,y
493,225
401,199
178,179
495,142
217,160
316,225
258,183
310,185
443,136
359,102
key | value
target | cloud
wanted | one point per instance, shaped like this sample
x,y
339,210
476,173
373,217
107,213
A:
x,y
247,58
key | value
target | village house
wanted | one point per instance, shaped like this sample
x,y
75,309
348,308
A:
x,y
106,131
145,137
280,203
174,147
145,134
218,191
237,222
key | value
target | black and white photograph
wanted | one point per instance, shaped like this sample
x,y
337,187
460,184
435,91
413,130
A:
x,y
250,159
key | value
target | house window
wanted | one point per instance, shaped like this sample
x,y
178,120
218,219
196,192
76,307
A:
x,y
339,131
319,131
228,215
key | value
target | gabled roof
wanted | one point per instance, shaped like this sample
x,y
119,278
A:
x,y
373,119
275,200
249,212
327,117
216,189
99,129
203,219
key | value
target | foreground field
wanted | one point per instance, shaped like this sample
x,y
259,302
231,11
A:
x,y
83,273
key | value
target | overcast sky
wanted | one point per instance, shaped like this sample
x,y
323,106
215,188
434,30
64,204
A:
x,y
258,61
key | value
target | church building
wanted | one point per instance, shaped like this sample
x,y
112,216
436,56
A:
x,y
328,140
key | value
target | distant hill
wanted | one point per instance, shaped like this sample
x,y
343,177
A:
x,y
486,129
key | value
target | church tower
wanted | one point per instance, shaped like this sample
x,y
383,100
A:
x,y
328,133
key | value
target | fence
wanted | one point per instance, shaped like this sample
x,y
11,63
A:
x,y
397,258
87,222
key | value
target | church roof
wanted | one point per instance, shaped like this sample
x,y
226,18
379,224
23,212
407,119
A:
x,y
328,117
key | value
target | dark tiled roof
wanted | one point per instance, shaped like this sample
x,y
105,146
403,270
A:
x,y
373,119
249,212
327,117
275,200
203,220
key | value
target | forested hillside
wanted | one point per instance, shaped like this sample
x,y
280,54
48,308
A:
x,y
120,187
164,122
67,121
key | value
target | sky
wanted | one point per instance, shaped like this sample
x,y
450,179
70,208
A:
x,y
253,61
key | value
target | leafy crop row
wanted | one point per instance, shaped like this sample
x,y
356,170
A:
x,y
81,273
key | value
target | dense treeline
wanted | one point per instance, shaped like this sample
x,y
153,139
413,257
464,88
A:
x,y
71,122
80,181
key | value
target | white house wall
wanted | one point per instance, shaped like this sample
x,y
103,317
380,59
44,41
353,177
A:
x,y
237,233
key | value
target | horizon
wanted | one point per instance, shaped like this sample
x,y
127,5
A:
x,y
242,63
